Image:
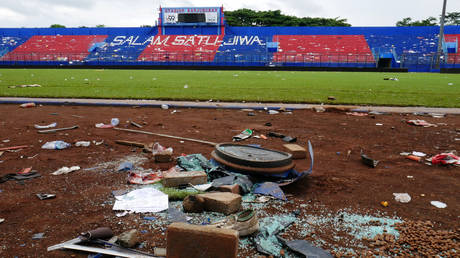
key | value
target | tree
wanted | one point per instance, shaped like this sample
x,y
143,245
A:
x,y
247,17
452,18
57,26
407,22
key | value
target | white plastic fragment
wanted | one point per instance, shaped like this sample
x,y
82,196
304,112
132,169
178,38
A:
x,y
164,106
438,204
402,197
82,144
52,125
56,145
418,154
1,220
202,187
142,200
273,112
65,170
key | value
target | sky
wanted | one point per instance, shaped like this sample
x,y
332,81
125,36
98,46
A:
x,y
125,13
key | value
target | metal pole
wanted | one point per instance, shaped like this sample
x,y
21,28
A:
x,y
441,35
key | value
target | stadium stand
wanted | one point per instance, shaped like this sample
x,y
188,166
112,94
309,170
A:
x,y
413,48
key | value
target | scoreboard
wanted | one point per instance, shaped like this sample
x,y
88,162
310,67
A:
x,y
185,16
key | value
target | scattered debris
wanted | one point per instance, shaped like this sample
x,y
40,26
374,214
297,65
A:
x,y
82,144
357,113
136,124
162,154
144,177
125,166
266,240
368,161
438,204
19,177
384,203
15,148
52,125
58,129
28,105
390,79
43,196
65,170
289,139
414,158
402,197
446,159
418,154
24,86
175,178
306,248
243,135
245,222
129,238
142,200
1,220
273,112
319,109
38,236
419,122
164,106
56,145
270,188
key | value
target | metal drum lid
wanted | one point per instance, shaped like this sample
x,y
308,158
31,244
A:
x,y
250,158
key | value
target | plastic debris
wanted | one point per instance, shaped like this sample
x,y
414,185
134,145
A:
x,y
82,144
142,200
19,177
28,105
38,236
159,149
56,145
273,112
306,248
65,170
368,161
1,220
52,125
414,158
357,113
445,159
402,197
266,240
164,106
175,215
114,122
270,188
419,122
438,204
384,203
43,196
125,166
418,154
144,177
203,187
243,135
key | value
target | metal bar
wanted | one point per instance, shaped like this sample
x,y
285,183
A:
x,y
165,135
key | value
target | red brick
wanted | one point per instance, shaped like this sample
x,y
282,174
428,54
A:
x,y
173,179
229,188
189,241
223,202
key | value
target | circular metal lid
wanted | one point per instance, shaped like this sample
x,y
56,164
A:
x,y
245,157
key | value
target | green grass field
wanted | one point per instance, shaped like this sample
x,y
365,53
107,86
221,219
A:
x,y
412,89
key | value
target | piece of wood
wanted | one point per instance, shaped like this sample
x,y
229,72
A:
x,y
165,135
15,147
58,129
129,143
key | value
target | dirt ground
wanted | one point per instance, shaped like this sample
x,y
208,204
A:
x,y
339,181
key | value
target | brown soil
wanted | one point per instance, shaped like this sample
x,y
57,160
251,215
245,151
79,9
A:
x,y
338,181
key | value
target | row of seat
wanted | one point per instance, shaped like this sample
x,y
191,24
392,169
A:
x,y
212,48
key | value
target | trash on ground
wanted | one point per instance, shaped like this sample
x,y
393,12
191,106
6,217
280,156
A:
x,y
243,135
136,124
129,238
266,240
402,197
28,105
438,204
277,135
25,171
38,236
58,129
19,177
319,109
176,215
44,196
56,145
1,220
419,122
15,147
446,159
144,177
142,200
125,166
270,188
52,125
245,222
357,113
289,139
384,203
223,202
418,154
113,122
378,124
306,248
202,187
24,86
65,170
368,161
273,112
130,143
414,158
162,154
164,106
82,143
177,178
